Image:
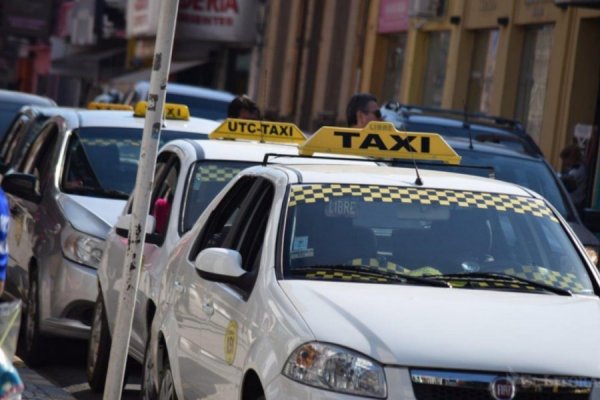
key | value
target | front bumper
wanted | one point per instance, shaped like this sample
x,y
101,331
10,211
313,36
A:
x,y
68,294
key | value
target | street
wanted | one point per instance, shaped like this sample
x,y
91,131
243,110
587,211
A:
x,y
66,369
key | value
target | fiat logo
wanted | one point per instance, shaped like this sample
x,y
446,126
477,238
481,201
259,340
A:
x,y
503,389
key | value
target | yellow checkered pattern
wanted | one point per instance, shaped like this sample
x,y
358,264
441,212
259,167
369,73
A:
x,y
109,141
543,275
371,193
215,173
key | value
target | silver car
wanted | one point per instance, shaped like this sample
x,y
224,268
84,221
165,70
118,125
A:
x,y
64,197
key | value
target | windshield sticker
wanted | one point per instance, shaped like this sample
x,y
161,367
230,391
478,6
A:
x,y
300,243
341,208
370,193
296,254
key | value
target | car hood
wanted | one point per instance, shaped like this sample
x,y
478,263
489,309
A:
x,y
466,329
92,215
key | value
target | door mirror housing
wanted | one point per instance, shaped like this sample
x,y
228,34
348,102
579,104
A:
x,y
223,265
22,185
122,228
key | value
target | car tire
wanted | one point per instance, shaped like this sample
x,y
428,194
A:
x,y
148,391
98,349
34,348
167,384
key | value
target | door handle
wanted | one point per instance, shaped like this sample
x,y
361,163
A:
x,y
178,287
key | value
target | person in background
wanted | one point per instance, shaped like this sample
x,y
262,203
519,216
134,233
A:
x,y
4,222
573,174
243,107
362,109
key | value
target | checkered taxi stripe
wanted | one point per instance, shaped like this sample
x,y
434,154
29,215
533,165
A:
x,y
109,141
537,274
216,173
370,193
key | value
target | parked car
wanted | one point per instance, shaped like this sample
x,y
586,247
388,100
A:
x,y
344,282
509,151
202,102
21,133
12,101
64,197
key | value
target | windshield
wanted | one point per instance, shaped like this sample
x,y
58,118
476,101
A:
x,y
207,178
331,229
103,161
200,106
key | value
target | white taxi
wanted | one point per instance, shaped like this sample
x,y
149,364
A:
x,y
345,282
188,174
65,194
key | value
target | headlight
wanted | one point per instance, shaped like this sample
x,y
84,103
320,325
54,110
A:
x,y
334,368
82,248
592,252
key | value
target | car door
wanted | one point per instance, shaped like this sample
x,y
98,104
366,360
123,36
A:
x,y
28,230
206,311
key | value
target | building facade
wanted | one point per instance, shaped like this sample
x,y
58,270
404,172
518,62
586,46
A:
x,y
536,61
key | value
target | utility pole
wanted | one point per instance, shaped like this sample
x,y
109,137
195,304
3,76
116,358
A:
x,y
163,49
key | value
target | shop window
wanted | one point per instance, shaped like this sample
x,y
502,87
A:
x,y
394,61
533,77
435,70
481,75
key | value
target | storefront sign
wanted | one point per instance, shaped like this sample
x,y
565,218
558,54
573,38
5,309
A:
x,y
393,16
28,18
217,20
142,17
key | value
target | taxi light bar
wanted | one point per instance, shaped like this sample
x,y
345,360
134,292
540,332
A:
x,y
380,140
171,110
262,131
94,105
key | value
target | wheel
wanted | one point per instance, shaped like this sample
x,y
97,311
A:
x,y
34,344
148,384
167,385
98,351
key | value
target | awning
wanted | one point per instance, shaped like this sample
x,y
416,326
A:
x,y
144,74
84,64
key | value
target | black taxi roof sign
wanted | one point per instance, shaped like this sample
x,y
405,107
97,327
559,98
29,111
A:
x,y
380,140
262,131
171,110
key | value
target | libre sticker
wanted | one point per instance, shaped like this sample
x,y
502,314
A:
x,y
230,342
344,208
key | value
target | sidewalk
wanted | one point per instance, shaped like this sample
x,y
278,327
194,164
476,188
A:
x,y
37,387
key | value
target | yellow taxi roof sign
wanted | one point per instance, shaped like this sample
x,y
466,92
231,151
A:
x,y
380,140
262,131
171,110
95,105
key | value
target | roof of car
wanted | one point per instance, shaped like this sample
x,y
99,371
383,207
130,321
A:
x,y
394,176
20,98
189,90
126,119
462,144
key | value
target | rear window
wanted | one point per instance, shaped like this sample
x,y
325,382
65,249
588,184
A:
x,y
201,107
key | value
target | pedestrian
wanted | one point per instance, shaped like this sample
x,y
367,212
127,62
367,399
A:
x,y
243,107
362,109
4,222
574,174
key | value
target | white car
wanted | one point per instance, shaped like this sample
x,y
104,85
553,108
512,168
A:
x,y
345,282
64,195
189,173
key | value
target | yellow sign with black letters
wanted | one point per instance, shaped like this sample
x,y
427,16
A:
x,y
262,131
380,140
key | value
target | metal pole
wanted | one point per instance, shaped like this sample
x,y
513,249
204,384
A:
x,y
141,200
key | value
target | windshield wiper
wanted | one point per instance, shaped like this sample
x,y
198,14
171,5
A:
x,y
362,269
504,277
90,190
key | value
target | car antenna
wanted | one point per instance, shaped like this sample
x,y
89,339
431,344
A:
x,y
418,181
467,126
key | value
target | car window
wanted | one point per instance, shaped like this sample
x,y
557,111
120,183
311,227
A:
x,y
9,140
16,145
427,232
206,179
202,107
218,232
163,193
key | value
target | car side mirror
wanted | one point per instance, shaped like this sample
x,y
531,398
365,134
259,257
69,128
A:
x,y
23,186
591,219
122,228
224,265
